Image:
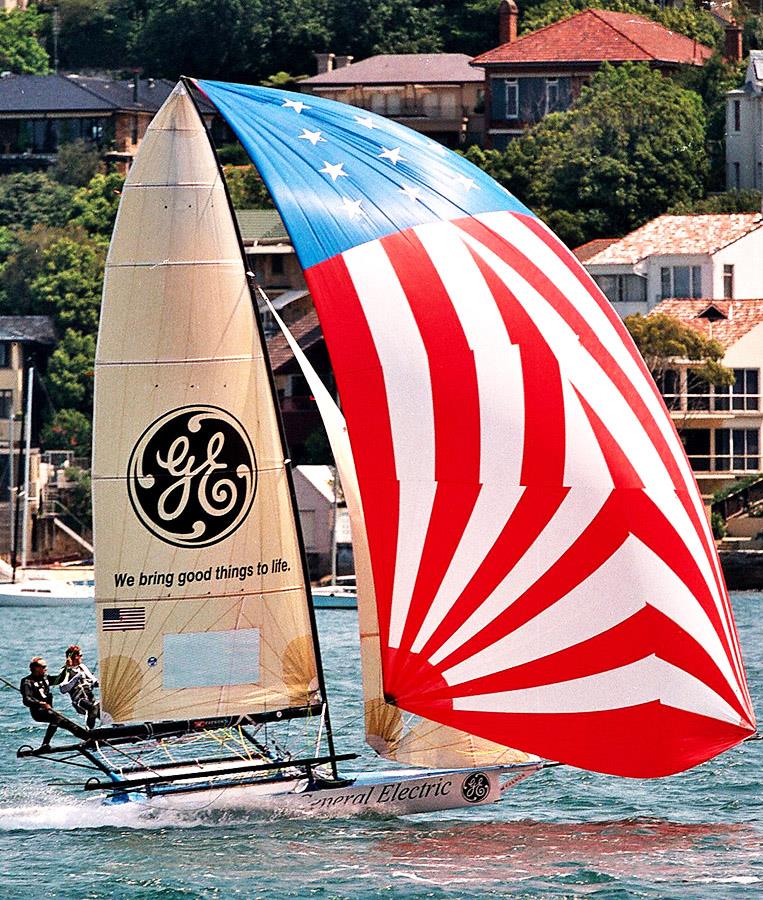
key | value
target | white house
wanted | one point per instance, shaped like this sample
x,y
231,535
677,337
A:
x,y
719,426
698,256
314,487
744,129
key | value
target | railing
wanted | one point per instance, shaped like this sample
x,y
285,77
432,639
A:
x,y
724,464
741,500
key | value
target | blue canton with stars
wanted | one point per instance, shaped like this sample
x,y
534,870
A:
x,y
341,176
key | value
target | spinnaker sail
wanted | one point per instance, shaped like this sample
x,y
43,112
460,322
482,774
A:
x,y
543,571
201,595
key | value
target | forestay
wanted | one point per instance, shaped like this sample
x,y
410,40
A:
x,y
200,590
543,571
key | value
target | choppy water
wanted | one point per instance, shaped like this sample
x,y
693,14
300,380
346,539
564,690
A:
x,y
563,833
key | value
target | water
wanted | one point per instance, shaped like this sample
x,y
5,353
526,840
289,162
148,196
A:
x,y
563,833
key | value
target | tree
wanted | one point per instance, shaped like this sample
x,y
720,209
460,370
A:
x,y
22,262
663,339
632,145
20,49
67,430
95,205
76,164
247,189
70,372
69,285
31,198
726,202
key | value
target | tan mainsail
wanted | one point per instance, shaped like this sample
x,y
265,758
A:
x,y
200,592
413,741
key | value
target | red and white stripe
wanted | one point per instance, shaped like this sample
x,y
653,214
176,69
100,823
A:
x,y
540,551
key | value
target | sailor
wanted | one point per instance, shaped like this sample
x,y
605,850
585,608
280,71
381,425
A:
x,y
37,696
78,682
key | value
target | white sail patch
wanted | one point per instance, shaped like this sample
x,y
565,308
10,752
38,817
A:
x,y
631,579
211,659
403,358
646,681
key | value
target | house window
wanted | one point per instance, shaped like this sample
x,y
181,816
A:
x,y
511,87
737,115
6,404
737,176
681,281
697,392
737,450
622,288
742,395
669,385
552,94
5,354
134,135
728,282
696,442
276,265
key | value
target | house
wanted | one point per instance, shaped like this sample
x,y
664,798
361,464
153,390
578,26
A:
x,y
324,518
39,113
437,94
270,255
719,426
529,76
744,129
696,256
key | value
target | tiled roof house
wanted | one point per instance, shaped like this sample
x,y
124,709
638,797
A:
x,y
694,257
543,71
437,94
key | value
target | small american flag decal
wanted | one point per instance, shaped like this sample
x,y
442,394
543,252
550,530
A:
x,y
129,618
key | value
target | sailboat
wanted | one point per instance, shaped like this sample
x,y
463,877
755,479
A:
x,y
536,576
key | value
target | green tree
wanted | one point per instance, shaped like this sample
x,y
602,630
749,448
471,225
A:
x,y
67,430
76,163
632,145
93,34
95,205
32,198
387,26
726,202
69,378
247,189
662,339
20,49
22,262
69,284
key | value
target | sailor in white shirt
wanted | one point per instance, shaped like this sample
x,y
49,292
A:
x,y
79,684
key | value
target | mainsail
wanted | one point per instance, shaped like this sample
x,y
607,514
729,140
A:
x,y
543,571
200,588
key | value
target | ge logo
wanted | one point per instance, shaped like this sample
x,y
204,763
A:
x,y
192,476
475,787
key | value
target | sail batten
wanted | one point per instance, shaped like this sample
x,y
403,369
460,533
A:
x,y
543,572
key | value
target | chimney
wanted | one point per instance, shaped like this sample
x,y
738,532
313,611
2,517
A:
x,y
732,51
324,62
341,62
508,13
135,86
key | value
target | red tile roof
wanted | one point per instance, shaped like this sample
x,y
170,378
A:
x,y
596,35
741,316
402,68
585,251
678,235
307,332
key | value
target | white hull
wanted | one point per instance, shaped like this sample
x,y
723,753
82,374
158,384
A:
x,y
334,598
37,592
398,792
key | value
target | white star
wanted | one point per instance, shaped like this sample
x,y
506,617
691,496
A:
x,y
352,207
296,105
411,192
334,171
313,136
367,122
392,155
468,183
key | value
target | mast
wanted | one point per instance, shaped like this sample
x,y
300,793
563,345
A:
x,y
27,452
251,283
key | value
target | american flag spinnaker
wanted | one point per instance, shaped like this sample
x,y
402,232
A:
x,y
543,571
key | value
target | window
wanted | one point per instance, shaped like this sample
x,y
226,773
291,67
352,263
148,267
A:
x,y
680,281
669,385
737,115
622,288
742,395
6,404
728,282
697,392
737,450
511,87
552,94
276,264
5,354
696,442
737,176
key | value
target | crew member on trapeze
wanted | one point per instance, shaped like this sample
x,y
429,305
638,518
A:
x,y
38,698
79,683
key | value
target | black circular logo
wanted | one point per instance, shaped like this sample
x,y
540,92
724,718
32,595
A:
x,y
192,476
475,787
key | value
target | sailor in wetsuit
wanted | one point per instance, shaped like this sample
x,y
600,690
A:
x,y
37,696
78,682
